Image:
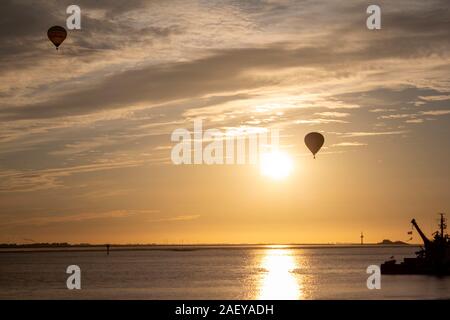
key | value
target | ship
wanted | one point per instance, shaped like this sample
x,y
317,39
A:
x,y
432,259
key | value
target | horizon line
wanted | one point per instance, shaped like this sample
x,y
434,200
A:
x,y
82,244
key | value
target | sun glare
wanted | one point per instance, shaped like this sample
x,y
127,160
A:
x,y
279,282
276,165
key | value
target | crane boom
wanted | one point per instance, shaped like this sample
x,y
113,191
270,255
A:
x,y
426,242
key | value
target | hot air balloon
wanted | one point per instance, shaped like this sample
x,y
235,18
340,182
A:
x,y
57,35
314,141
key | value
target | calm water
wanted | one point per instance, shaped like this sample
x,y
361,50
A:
x,y
215,273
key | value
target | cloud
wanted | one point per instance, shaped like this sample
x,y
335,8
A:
x,y
83,146
221,71
177,218
381,110
79,217
333,114
396,116
33,180
349,144
435,98
370,134
165,147
435,112
414,121
415,117
318,121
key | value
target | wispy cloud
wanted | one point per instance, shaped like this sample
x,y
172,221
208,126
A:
x,y
177,218
396,116
435,112
33,180
332,114
79,217
349,144
370,134
318,121
414,121
377,110
435,98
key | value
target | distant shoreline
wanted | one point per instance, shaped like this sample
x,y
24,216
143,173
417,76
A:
x,y
187,247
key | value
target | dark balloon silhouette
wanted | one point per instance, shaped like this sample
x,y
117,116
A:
x,y
314,141
57,35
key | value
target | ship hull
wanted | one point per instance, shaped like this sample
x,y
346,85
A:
x,y
411,267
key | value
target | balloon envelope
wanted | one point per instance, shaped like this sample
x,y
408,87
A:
x,y
57,35
314,141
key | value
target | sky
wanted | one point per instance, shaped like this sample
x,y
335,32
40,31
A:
x,y
85,132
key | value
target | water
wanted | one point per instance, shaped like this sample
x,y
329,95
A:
x,y
259,272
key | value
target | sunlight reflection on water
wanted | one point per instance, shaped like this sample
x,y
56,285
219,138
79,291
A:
x,y
279,281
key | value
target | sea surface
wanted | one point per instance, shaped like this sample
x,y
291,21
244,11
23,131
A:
x,y
214,272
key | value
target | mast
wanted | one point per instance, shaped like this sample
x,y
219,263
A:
x,y
442,225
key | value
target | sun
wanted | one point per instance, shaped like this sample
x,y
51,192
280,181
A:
x,y
276,165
